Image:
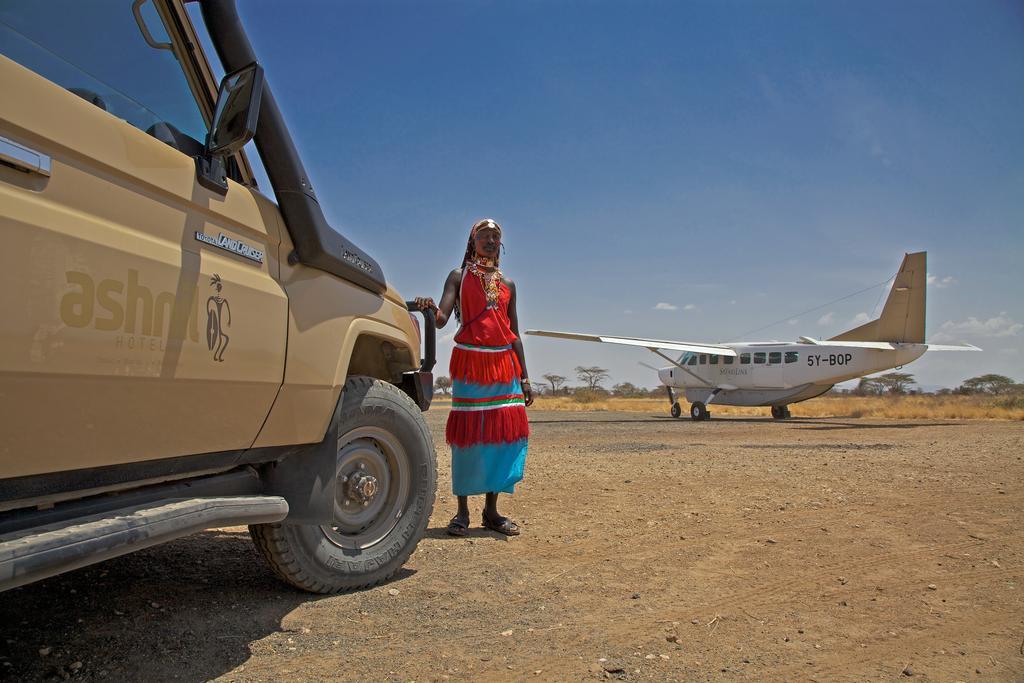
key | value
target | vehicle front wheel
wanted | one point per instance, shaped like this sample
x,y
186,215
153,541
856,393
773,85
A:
x,y
676,410
384,494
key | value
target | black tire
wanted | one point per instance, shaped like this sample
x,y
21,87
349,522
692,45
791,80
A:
x,y
698,411
676,409
383,439
780,412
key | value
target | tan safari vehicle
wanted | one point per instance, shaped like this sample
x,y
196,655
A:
x,y
177,351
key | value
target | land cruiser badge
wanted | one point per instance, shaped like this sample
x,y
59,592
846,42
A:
x,y
230,244
216,308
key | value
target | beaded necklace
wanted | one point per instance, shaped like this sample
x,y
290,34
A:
x,y
489,278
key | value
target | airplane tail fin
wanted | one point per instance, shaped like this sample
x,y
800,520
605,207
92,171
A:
x,y
902,318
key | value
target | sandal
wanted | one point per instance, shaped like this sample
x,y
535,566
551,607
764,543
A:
x,y
504,525
457,527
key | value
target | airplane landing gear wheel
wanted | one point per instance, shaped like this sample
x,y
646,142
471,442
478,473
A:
x,y
698,411
781,412
676,410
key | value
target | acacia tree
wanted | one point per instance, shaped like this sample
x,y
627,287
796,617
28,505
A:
x,y
896,382
592,376
626,390
443,384
989,384
555,381
868,386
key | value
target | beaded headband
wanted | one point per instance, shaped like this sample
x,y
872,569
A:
x,y
485,224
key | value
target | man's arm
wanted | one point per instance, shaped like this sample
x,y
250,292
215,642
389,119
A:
x,y
517,345
451,290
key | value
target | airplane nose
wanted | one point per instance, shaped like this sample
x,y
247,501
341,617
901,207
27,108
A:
x,y
663,375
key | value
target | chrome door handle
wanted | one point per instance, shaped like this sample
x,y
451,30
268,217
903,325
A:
x,y
24,158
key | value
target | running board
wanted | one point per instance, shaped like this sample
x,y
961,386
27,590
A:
x,y
41,552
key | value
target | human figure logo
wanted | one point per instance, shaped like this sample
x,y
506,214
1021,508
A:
x,y
216,308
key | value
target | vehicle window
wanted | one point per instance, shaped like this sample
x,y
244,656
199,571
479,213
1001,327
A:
x,y
96,50
744,359
703,359
692,360
775,357
792,356
252,155
727,360
713,360
759,358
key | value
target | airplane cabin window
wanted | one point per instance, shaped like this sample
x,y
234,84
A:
x,y
714,360
774,357
703,359
744,359
759,358
792,356
727,360
692,360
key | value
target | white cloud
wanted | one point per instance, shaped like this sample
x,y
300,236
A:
x,y
878,152
941,282
662,306
827,319
860,318
862,116
1000,326
793,321
690,307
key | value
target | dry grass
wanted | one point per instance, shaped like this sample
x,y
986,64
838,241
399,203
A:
x,y
903,407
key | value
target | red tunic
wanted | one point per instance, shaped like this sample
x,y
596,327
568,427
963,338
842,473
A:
x,y
485,371
482,326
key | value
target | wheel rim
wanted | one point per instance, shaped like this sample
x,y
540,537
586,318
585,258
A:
x,y
371,490
695,411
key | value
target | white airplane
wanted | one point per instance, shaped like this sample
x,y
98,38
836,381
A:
x,y
777,374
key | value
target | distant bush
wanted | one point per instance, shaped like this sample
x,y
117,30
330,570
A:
x,y
1015,402
589,395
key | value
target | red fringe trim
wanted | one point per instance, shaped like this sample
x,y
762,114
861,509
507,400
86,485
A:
x,y
481,367
474,427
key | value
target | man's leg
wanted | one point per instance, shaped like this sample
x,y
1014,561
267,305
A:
x,y
463,513
494,520
460,522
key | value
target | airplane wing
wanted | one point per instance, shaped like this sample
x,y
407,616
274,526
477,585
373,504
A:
x,y
712,349
890,346
952,347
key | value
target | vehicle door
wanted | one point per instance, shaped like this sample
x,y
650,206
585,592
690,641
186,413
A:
x,y
134,325
794,369
767,365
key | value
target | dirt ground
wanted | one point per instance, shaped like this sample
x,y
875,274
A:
x,y
653,549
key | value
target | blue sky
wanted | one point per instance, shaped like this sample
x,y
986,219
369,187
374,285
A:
x,y
737,163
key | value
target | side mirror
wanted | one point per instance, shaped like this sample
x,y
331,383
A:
x,y
238,109
234,124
